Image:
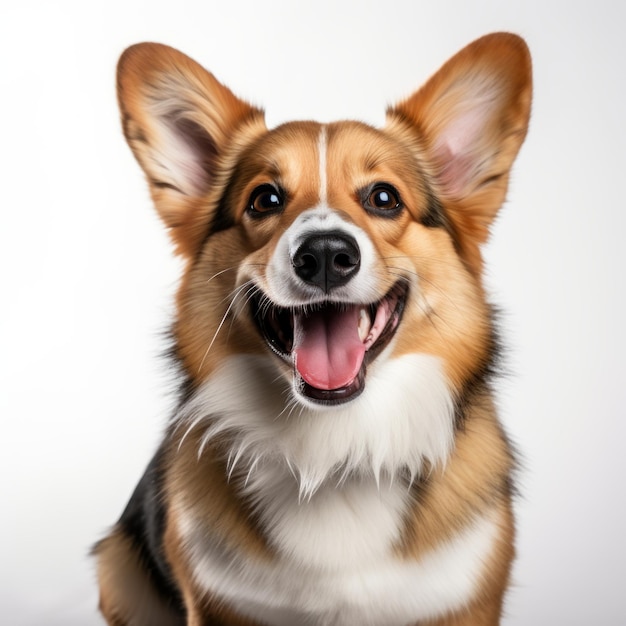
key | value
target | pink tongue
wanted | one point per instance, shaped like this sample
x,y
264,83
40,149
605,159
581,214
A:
x,y
328,352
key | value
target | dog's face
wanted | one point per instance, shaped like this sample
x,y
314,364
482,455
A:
x,y
331,252
336,255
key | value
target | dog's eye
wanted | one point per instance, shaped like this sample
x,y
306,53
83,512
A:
x,y
264,200
382,199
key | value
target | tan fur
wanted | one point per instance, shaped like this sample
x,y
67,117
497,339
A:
x,y
201,483
162,91
125,586
475,195
151,75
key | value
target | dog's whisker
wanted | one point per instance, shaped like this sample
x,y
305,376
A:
x,y
252,289
228,269
221,324
235,292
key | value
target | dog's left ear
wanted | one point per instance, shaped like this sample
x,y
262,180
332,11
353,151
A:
x,y
180,123
472,117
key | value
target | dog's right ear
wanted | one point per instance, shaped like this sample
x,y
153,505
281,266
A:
x,y
179,121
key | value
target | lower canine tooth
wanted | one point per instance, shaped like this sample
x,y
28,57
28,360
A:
x,y
364,324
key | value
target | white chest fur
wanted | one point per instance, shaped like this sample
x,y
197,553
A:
x,y
405,417
333,533
335,562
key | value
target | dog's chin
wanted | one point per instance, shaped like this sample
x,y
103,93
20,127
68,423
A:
x,y
329,345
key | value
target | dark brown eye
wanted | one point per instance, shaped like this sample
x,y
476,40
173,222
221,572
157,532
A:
x,y
264,200
382,199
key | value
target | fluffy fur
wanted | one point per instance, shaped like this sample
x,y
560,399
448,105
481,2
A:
x,y
335,457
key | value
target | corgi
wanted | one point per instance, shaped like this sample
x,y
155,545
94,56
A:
x,y
335,457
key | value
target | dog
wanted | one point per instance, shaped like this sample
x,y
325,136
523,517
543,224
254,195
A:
x,y
335,457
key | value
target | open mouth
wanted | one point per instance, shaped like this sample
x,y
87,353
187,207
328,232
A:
x,y
330,344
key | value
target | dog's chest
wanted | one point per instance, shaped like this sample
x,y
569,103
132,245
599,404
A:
x,y
341,526
336,560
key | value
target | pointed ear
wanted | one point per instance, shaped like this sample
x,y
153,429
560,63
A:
x,y
472,117
179,122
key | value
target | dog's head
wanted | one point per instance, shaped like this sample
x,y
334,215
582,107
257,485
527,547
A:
x,y
330,250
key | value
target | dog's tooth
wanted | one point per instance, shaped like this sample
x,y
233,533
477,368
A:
x,y
364,324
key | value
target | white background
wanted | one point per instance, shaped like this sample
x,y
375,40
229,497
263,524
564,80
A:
x,y
87,276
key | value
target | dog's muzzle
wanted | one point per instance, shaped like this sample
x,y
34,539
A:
x,y
329,343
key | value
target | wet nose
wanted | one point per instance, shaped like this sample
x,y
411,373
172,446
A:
x,y
327,260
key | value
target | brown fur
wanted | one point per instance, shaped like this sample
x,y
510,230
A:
x,y
161,91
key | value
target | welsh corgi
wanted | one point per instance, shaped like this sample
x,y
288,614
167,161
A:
x,y
335,457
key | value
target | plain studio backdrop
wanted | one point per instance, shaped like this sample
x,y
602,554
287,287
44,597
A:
x,y
87,273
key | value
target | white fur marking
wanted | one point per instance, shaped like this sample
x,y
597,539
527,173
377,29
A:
x,y
313,475
286,289
404,417
321,146
384,591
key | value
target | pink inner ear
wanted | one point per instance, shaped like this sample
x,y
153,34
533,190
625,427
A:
x,y
456,171
185,155
186,169
460,146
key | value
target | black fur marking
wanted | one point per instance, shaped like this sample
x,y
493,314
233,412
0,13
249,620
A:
x,y
143,521
435,216
183,386
480,383
222,217
477,386
480,380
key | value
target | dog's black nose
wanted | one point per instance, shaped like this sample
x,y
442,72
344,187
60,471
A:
x,y
327,260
